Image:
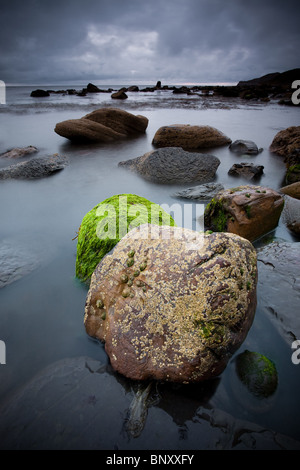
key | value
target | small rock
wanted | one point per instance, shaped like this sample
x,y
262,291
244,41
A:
x,y
293,174
203,192
19,152
39,93
119,95
34,168
92,88
247,170
291,214
133,88
258,373
244,147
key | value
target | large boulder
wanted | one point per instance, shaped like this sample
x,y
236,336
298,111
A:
x,y
103,227
173,304
102,125
249,211
189,137
173,165
286,141
119,120
34,168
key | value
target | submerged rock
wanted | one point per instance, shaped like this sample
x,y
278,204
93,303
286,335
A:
x,y
16,261
279,286
203,192
188,304
102,125
249,211
257,372
138,410
174,165
246,170
244,147
189,137
103,227
34,168
19,152
76,403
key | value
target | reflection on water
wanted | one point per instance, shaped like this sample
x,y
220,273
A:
x,y
41,317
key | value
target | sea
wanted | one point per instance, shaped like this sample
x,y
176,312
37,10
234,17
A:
x,y
41,314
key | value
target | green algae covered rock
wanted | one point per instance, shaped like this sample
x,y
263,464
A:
x,y
104,226
258,373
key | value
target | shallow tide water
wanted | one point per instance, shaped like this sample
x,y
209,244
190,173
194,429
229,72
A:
x,y
41,319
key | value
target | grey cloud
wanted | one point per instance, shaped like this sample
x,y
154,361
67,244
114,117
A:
x,y
191,40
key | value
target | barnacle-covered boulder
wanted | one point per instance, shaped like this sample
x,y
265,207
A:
x,y
173,304
103,227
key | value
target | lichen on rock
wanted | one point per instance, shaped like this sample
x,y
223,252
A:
x,y
185,314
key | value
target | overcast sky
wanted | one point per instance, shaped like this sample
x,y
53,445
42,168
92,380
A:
x,y
139,41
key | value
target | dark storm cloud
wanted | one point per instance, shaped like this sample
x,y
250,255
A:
x,y
171,40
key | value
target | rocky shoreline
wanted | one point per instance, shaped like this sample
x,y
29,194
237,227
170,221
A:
x,y
274,86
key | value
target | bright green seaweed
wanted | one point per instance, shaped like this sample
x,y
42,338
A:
x,y
103,227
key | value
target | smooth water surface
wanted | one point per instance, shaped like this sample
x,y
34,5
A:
x,y
41,319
